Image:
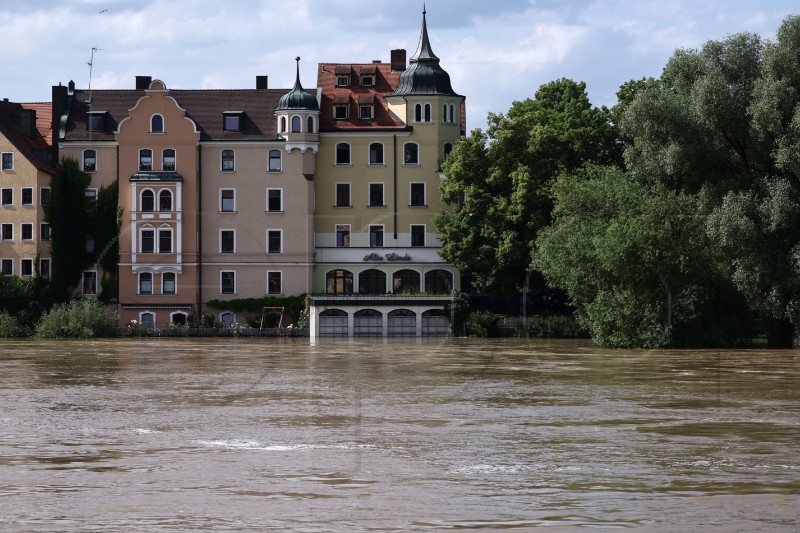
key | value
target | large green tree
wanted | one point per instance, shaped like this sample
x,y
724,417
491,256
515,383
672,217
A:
x,y
636,262
498,182
725,120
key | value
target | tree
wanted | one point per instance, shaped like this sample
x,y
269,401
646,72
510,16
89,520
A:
x,y
725,120
636,262
497,182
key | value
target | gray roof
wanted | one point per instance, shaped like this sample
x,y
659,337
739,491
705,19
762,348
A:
x,y
424,75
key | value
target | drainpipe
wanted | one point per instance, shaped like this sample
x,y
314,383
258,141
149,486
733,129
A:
x,y
199,236
394,165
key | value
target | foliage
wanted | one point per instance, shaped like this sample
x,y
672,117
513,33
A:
x,y
498,182
458,312
83,319
25,299
10,326
550,327
636,262
293,305
482,324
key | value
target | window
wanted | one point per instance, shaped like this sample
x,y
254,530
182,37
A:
x,y
147,320
91,198
27,231
418,235
232,122
310,124
227,161
156,124
342,195
342,154
7,196
145,159
376,154
275,200
88,245
89,160
44,196
7,232
168,283
227,241
274,241
227,320
417,194
165,241
340,111
365,112
227,282
8,161
96,120
148,200
44,231
89,284
448,149
342,81
339,282
282,125
296,124
165,200
406,280
376,236
410,154
342,235
451,115
27,196
372,281
44,268
438,282
274,282
418,113
178,318
444,113
227,200
376,195
427,112
168,160
367,80
274,161
26,268
146,283
148,241
7,267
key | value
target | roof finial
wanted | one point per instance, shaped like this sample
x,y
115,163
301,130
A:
x,y
297,78
424,51
424,10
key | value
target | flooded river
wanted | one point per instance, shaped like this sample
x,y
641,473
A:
x,y
280,435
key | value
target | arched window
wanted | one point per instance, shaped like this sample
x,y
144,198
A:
x,y
145,283
310,124
367,323
168,160
452,113
376,154
339,282
406,281
168,285
148,320
435,323
145,159
282,125
444,113
372,281
148,202
438,282
333,323
342,154
89,160
296,124
165,200
427,112
410,154
178,318
227,320
402,323
156,124
418,113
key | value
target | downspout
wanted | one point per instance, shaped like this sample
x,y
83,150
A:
x,y
394,167
199,236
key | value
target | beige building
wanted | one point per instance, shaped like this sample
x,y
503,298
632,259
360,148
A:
x,y
25,174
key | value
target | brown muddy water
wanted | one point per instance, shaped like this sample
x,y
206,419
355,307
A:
x,y
280,435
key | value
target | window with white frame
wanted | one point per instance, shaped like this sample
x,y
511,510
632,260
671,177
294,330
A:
x,y
297,124
376,195
147,241
274,241
165,240
274,164
168,283
26,267
44,196
417,235
7,267
343,235
417,194
89,160
418,113
26,231
342,198
145,159
8,161
232,121
168,159
427,113
227,200
282,125
147,320
165,200
376,154
227,241
342,154
227,282
7,232
227,320
411,154
340,111
44,268
274,282
27,196
44,231
275,200
342,80
145,283
156,124
365,112
147,200
91,198
89,282
367,80
7,196
227,161
310,125
376,235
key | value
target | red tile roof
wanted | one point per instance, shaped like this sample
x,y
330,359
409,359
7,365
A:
x,y
35,149
44,115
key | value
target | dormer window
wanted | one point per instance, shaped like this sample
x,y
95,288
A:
x,y
232,120
340,112
342,80
96,120
365,112
367,80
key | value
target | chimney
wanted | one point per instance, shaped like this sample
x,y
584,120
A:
x,y
27,121
398,60
262,82
143,82
59,106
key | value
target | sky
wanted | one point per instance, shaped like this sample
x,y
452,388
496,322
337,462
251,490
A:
x,y
496,52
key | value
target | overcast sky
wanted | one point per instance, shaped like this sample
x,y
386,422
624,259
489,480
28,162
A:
x,y
496,51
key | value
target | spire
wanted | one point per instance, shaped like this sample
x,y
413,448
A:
x,y
297,79
298,98
424,52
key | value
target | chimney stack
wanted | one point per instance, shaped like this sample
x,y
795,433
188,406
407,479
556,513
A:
x,y
143,82
262,82
398,60
27,121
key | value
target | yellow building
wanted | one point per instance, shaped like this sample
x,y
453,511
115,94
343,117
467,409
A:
x,y
385,129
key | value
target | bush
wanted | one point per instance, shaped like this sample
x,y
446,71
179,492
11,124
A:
x,y
551,327
482,324
82,319
10,326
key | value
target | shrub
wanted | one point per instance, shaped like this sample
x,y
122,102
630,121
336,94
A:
x,y
553,326
482,324
10,326
83,319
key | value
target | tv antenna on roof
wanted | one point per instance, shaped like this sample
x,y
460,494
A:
x,y
91,64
